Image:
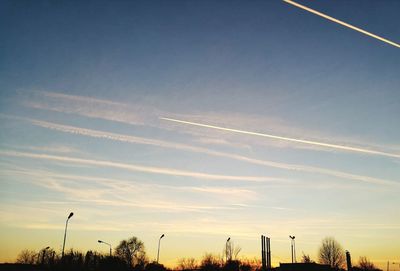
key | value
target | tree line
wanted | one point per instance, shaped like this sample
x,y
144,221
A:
x,y
130,255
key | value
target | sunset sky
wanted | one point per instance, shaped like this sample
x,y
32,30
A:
x,y
201,120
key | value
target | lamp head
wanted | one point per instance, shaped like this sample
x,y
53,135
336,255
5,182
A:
x,y
100,241
47,248
70,215
162,236
228,239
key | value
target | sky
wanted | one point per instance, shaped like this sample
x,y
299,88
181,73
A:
x,y
200,120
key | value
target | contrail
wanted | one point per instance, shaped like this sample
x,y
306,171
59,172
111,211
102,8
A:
x,y
195,149
140,168
309,142
178,146
342,23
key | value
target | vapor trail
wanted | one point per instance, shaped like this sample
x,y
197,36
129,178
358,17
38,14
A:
x,y
140,168
195,149
178,146
309,142
342,23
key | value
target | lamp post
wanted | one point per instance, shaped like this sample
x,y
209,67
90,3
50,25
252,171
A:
x,y
293,246
65,233
102,242
158,252
226,249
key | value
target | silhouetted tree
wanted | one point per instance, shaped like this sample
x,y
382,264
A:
x,y
210,263
91,261
107,263
154,266
365,265
187,264
306,259
47,256
132,252
27,257
73,260
332,253
250,264
244,266
232,265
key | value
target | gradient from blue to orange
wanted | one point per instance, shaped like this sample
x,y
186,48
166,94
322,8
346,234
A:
x,y
83,86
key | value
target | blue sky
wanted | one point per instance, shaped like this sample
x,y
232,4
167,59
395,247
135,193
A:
x,y
83,87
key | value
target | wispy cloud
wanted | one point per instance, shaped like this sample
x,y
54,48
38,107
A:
x,y
116,194
220,142
74,98
53,148
89,107
148,115
121,185
342,23
140,168
191,148
278,137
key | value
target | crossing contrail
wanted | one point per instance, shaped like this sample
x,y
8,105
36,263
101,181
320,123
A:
x,y
342,23
309,142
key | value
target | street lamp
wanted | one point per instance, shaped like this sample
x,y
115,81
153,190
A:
x,y
106,244
293,246
65,233
226,249
158,252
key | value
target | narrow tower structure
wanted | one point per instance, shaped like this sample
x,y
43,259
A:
x,y
266,252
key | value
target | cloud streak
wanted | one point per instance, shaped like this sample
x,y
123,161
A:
x,y
93,191
140,168
74,98
195,149
89,107
144,115
277,137
124,185
342,23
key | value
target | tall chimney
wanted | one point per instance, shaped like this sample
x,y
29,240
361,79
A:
x,y
348,261
263,252
268,253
